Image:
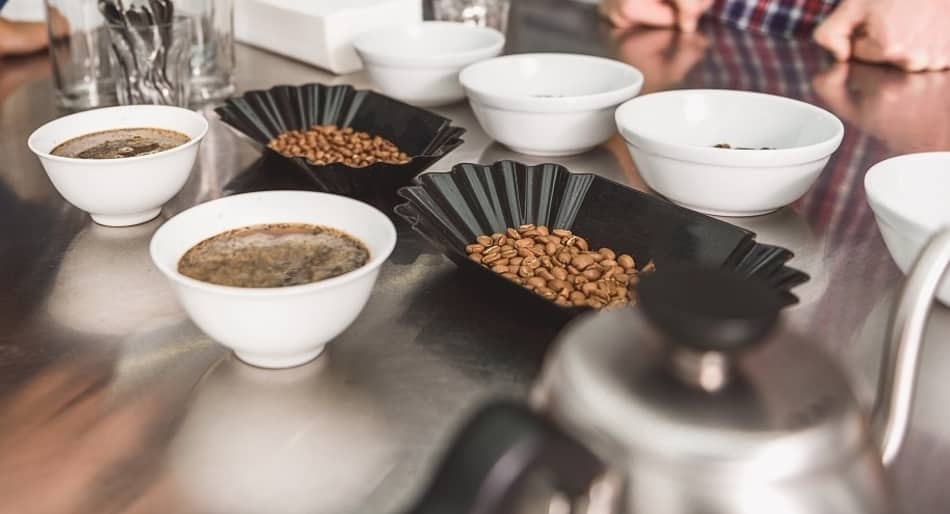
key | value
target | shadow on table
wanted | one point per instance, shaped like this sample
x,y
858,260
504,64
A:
x,y
482,330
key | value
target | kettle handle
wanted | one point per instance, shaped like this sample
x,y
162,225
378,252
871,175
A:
x,y
495,452
895,394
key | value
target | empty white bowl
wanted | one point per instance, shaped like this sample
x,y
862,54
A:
x,y
420,63
671,137
910,197
127,191
549,104
282,326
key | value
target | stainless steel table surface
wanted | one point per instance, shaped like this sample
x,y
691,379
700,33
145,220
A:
x,y
111,400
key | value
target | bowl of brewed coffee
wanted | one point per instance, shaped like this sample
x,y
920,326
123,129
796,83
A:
x,y
274,275
120,164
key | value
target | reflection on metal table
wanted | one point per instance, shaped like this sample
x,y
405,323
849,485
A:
x,y
112,401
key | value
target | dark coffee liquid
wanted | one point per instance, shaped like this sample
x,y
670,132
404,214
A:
x,y
273,255
120,143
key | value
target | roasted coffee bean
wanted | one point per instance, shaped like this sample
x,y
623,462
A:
x,y
581,262
536,282
558,265
327,144
546,293
490,258
592,273
626,261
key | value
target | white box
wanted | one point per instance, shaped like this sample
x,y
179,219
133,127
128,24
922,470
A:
x,y
318,32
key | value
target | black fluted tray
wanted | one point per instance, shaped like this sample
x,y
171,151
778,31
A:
x,y
449,209
425,136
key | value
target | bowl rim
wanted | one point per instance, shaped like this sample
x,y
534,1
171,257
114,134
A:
x,y
584,102
375,262
113,162
363,41
778,157
881,200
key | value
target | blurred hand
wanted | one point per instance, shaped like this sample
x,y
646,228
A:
x,y
910,34
664,56
683,14
22,37
908,112
17,71
59,447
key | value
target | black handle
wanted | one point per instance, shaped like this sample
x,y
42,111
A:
x,y
495,452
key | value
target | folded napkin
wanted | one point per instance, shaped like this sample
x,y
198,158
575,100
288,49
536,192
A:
x,y
318,32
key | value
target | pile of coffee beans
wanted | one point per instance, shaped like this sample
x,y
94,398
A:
x,y
559,266
327,144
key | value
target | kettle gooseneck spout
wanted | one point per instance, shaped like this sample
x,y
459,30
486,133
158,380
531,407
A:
x,y
890,416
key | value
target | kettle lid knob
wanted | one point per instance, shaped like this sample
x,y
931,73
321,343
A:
x,y
709,309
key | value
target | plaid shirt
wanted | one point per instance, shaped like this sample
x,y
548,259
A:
x,y
784,17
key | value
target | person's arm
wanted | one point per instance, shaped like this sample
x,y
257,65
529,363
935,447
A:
x,y
18,37
683,14
910,34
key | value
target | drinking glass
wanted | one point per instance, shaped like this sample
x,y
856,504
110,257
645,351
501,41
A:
x,y
79,53
153,62
484,13
212,52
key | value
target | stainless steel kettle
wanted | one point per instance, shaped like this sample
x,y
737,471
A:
x,y
700,403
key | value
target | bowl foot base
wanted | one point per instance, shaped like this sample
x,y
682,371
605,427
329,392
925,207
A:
x,y
126,220
264,361
549,153
725,214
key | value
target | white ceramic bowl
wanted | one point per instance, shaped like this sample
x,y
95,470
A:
x,y
420,63
120,192
671,137
910,197
549,104
283,326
